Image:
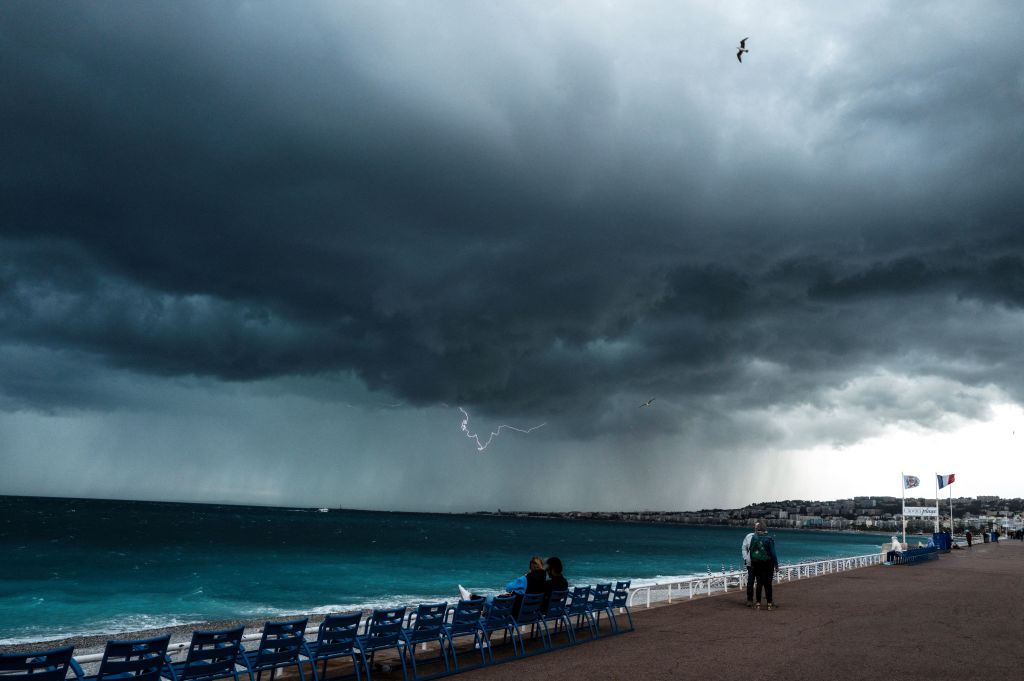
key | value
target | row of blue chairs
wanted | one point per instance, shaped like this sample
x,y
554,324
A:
x,y
220,654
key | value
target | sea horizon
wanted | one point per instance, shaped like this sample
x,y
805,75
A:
x,y
537,513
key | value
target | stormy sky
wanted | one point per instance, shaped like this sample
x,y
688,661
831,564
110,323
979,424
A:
x,y
263,252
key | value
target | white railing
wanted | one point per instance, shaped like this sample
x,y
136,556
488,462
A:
x,y
721,582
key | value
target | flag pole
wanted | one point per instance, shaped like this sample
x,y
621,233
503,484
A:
x,y
903,486
950,510
936,502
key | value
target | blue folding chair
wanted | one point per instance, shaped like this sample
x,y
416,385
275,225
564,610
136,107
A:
x,y
426,625
280,646
599,603
464,620
141,660
335,639
556,613
211,655
383,632
47,665
498,617
579,608
620,600
530,615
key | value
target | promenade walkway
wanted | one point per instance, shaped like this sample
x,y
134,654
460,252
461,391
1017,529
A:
x,y
959,618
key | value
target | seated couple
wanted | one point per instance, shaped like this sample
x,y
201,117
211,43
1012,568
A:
x,y
539,579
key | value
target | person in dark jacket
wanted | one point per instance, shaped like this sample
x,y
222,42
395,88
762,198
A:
x,y
556,581
530,583
763,562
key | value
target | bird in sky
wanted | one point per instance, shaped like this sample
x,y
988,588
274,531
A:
x,y
741,49
647,403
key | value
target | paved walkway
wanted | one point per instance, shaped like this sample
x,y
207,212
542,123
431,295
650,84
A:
x,y
960,617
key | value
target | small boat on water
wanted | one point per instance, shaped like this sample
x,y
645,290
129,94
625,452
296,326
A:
x,y
323,510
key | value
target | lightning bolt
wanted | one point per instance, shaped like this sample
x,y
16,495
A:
x,y
481,446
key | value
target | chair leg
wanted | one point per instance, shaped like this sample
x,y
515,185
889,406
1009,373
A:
x,y
366,667
485,645
302,675
401,658
613,626
411,650
444,655
515,635
545,635
355,666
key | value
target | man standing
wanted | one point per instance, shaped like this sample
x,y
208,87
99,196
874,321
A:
x,y
763,563
758,527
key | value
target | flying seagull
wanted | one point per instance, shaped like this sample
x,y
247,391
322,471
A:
x,y
741,49
647,403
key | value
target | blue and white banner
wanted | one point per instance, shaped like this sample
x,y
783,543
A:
x,y
911,481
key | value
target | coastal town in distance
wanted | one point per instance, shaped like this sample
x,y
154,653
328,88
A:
x,y
872,514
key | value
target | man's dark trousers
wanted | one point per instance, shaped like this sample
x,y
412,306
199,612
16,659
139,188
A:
x,y
750,584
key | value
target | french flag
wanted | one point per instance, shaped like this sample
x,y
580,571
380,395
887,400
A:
x,y
945,480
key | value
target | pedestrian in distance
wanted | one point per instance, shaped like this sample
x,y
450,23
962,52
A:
x,y
745,552
763,563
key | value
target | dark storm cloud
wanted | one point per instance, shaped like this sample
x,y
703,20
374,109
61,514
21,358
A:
x,y
456,214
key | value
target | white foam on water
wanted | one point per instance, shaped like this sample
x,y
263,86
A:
x,y
121,625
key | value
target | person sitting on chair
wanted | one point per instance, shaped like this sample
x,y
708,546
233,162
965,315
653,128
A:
x,y
530,583
556,581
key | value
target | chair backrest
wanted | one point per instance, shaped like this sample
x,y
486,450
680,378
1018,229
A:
x,y
337,634
281,642
212,654
429,618
500,613
556,604
621,594
579,599
601,594
141,659
465,617
529,609
385,628
47,665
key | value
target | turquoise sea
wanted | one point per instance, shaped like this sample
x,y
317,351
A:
x,y
74,566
